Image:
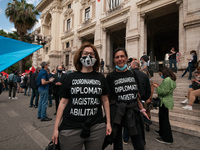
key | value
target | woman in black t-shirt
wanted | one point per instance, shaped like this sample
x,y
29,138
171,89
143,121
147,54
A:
x,y
125,106
83,94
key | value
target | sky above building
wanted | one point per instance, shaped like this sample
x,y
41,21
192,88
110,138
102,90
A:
x,y
5,24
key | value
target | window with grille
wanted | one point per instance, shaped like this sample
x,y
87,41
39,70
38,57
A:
x,y
69,6
67,45
87,13
68,24
67,60
114,3
47,49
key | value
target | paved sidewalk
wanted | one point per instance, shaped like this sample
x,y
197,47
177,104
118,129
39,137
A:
x,y
21,130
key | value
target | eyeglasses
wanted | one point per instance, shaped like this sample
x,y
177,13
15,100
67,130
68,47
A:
x,y
88,53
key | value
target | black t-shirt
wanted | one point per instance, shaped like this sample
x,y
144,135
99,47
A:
x,y
173,56
123,87
102,63
84,91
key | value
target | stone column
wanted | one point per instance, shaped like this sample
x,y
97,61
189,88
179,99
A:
x,y
142,34
55,54
145,38
104,50
182,42
109,50
35,54
35,59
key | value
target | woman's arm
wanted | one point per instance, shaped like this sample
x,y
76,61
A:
x,y
142,110
43,81
63,103
105,101
165,87
197,81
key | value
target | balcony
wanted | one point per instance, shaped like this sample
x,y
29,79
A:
x,y
67,50
114,8
87,21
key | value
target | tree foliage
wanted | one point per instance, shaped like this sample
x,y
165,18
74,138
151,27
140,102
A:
x,y
23,15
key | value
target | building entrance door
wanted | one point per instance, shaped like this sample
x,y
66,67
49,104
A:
x,y
162,31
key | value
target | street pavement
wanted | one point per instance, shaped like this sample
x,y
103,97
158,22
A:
x,y
21,130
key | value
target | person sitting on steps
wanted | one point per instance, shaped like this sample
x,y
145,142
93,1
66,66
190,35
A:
x,y
193,92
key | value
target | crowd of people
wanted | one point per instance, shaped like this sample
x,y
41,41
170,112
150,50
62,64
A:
x,y
93,110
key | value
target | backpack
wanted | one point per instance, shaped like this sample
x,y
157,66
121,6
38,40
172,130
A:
x,y
10,82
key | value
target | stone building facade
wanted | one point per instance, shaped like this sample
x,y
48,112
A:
x,y
141,26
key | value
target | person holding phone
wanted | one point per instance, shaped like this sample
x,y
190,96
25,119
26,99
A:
x,y
165,93
43,82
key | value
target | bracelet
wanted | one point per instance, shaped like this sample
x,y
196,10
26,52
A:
x,y
143,110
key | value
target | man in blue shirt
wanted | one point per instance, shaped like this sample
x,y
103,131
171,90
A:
x,y
43,89
12,80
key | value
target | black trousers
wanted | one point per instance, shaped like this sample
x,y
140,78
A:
x,y
13,88
164,125
138,140
57,99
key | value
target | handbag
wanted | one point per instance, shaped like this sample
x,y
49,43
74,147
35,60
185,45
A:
x,y
52,146
23,85
156,102
195,86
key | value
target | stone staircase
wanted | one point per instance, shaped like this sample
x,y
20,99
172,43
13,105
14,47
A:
x,y
181,120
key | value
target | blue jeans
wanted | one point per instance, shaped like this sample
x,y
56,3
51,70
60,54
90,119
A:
x,y
43,104
172,61
25,89
28,90
188,69
34,94
102,70
125,135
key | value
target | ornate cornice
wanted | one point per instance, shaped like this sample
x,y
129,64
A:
x,y
192,23
56,8
89,26
67,3
43,4
55,54
142,2
99,46
67,34
179,2
67,50
68,12
86,2
133,38
115,14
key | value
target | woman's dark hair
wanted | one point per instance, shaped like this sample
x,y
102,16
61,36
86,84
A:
x,y
193,51
120,49
167,73
77,62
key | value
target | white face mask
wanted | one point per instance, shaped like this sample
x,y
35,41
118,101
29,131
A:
x,y
88,61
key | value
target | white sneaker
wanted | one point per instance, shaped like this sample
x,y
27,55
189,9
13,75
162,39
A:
x,y
187,107
185,101
9,98
14,98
